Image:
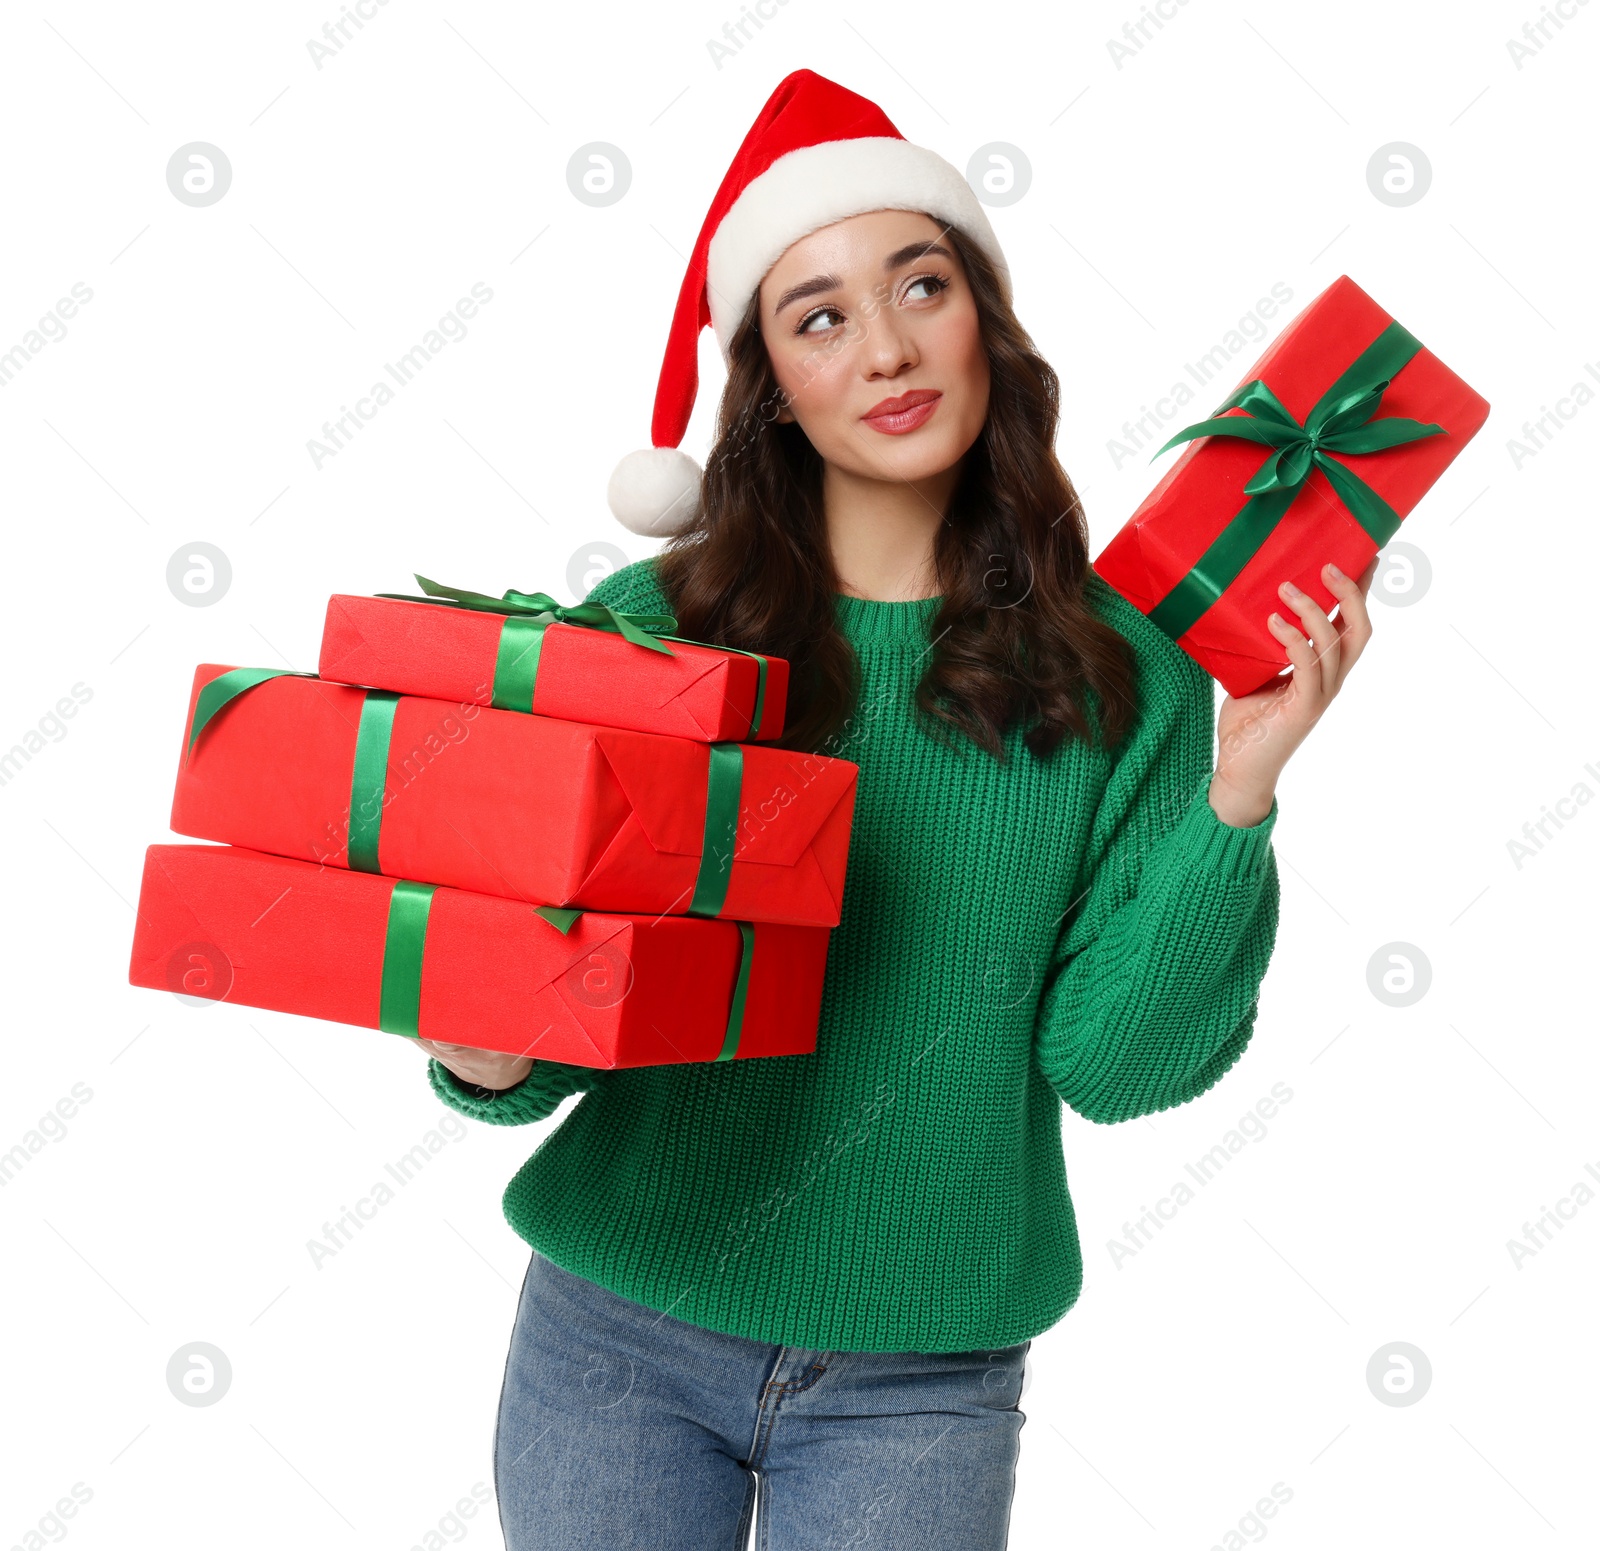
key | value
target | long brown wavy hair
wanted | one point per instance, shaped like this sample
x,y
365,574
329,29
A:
x,y
1014,638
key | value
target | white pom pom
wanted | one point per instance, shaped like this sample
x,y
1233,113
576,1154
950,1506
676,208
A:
x,y
655,491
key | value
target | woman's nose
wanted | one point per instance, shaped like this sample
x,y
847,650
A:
x,y
888,347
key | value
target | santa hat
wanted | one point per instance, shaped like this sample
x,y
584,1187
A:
x,y
816,154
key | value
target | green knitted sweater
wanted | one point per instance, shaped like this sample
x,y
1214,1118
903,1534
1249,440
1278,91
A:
x,y
1082,929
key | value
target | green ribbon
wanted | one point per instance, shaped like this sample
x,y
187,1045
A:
x,y
741,985
407,934
598,616
724,780
225,688
530,614
369,776
370,770
1340,421
405,940
561,919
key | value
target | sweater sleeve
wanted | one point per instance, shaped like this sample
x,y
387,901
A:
x,y
540,1093
1150,994
534,1098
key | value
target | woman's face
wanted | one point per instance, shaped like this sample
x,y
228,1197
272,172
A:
x,y
870,310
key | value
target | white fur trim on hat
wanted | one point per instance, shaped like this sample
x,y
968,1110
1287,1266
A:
x,y
655,492
817,185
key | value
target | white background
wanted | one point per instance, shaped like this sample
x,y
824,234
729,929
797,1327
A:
x,y
1168,193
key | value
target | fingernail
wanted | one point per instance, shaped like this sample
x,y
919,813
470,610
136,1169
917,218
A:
x,y
1335,572
1289,590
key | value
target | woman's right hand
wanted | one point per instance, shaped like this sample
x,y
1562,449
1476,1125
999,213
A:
x,y
487,1068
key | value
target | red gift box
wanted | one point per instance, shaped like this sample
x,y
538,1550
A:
x,y
613,990
1178,558
578,673
530,807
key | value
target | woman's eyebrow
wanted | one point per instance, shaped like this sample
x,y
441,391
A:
x,y
820,283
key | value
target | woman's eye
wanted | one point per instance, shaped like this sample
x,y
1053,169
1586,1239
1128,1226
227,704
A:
x,y
810,318
936,283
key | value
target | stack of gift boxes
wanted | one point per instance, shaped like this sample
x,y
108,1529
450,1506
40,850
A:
x,y
556,832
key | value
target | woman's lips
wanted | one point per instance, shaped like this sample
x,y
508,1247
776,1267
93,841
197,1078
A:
x,y
896,422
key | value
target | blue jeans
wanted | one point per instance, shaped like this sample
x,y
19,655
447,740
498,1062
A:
x,y
622,1427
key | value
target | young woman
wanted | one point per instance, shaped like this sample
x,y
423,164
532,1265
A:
x,y
821,1274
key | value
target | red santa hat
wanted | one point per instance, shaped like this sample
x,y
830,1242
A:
x,y
816,154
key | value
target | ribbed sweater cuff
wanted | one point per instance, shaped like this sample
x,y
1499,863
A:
x,y
1230,853
536,1096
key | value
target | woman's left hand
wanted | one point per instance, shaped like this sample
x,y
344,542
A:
x,y
1257,733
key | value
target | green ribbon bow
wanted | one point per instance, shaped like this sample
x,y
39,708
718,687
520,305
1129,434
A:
x,y
1341,421
530,614
599,616
405,941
